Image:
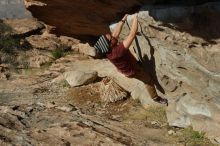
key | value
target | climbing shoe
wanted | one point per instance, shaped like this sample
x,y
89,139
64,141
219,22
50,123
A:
x,y
161,100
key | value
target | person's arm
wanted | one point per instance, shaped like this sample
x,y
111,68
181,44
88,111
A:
x,y
128,41
119,26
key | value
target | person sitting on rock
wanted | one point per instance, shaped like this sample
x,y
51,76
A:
x,y
119,55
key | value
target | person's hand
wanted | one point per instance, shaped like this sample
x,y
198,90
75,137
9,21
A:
x,y
125,17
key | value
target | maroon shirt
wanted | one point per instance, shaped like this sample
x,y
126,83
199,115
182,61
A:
x,y
122,59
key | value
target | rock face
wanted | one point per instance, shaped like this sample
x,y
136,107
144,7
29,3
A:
x,y
13,9
44,43
18,127
36,109
85,49
77,78
185,65
24,27
179,49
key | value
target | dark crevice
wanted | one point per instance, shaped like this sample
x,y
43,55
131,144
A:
x,y
157,28
28,34
5,139
180,67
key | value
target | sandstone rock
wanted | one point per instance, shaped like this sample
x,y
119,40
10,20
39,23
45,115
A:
x,y
10,118
217,139
67,108
57,67
189,76
111,91
29,3
6,109
207,125
58,79
193,106
171,132
85,49
71,58
172,57
41,104
78,78
168,84
44,123
4,76
44,43
95,19
3,67
33,59
154,123
105,69
51,105
80,22
207,57
24,27
68,41
192,110
38,61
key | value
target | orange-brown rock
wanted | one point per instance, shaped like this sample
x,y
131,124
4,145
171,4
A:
x,y
80,17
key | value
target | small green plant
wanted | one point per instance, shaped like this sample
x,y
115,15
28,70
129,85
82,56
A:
x,y
58,53
194,138
5,29
61,51
8,44
65,83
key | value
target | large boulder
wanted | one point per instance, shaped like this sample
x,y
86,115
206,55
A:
x,y
36,58
24,27
184,64
78,78
106,69
49,43
85,49
68,41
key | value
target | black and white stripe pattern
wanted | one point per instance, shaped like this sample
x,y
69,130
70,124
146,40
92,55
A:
x,y
102,45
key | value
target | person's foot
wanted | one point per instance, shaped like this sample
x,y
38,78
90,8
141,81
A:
x,y
161,100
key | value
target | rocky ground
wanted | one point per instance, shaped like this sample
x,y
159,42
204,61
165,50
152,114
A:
x,y
52,92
